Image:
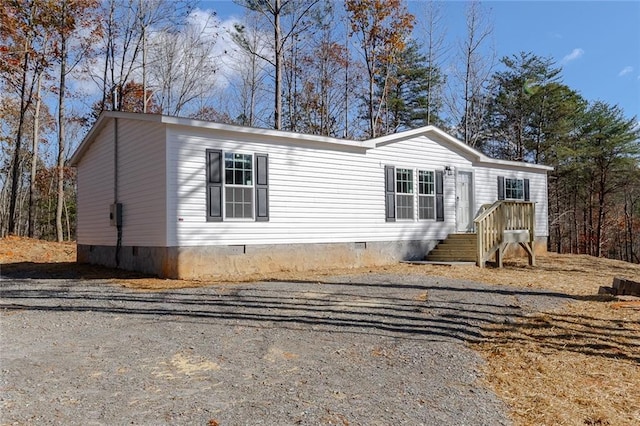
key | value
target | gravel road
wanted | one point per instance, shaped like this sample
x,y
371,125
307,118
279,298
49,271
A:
x,y
373,349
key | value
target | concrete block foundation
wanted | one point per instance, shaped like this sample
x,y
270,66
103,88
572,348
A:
x,y
227,262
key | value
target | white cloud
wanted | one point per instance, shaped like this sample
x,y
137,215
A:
x,y
233,60
575,54
626,70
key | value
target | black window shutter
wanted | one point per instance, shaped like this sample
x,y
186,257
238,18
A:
x,y
262,187
390,192
527,196
439,196
214,185
500,187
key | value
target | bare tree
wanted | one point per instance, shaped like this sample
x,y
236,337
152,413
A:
x,y
434,36
34,157
64,36
126,27
381,29
122,39
274,11
249,69
73,32
325,81
24,31
473,75
182,65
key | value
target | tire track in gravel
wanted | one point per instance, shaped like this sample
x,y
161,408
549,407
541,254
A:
x,y
358,349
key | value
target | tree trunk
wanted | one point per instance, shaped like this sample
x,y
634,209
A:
x,y
467,100
15,168
601,215
67,221
61,130
585,237
372,118
628,211
34,159
590,223
49,208
143,37
558,213
21,223
278,65
253,90
346,84
575,230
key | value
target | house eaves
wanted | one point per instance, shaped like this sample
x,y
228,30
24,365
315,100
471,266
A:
x,y
268,135
285,137
486,161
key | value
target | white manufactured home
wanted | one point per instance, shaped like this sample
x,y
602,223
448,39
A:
x,y
185,198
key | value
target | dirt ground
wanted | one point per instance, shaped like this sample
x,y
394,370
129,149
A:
x,y
569,365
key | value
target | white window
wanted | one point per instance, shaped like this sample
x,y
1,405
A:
x,y
513,189
426,195
400,195
238,186
404,194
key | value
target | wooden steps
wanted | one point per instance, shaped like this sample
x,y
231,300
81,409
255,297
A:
x,y
456,248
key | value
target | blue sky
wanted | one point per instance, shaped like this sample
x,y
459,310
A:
x,y
597,43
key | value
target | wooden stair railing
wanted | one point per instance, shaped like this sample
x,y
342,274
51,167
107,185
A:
x,y
501,223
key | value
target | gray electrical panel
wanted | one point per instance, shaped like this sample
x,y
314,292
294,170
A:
x,y
115,214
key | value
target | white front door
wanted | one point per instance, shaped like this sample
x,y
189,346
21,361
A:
x,y
464,200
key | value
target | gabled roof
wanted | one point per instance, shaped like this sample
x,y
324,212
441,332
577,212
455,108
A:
x,y
473,155
283,137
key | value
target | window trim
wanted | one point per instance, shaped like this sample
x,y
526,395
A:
x,y
226,185
502,188
412,193
431,195
507,189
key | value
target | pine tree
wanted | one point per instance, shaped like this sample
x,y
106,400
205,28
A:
x,y
608,144
521,95
407,104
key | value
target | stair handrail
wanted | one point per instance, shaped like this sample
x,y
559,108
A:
x,y
486,232
486,210
494,219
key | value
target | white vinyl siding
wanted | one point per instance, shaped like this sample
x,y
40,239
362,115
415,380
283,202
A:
x,y
316,194
96,192
318,191
142,182
422,153
486,191
141,185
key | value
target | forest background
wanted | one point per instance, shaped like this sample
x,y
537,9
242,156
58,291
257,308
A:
x,y
354,69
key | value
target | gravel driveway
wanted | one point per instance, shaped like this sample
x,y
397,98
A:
x,y
374,349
